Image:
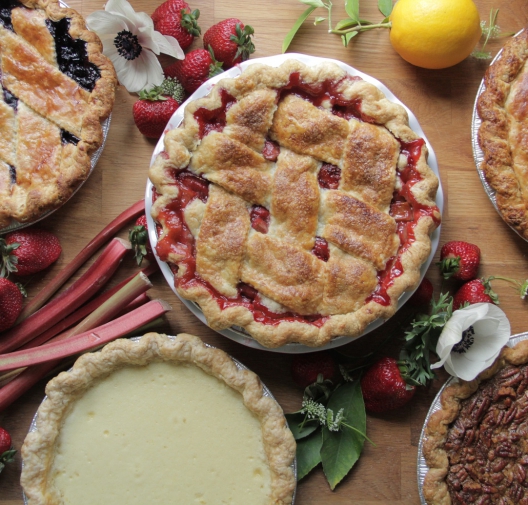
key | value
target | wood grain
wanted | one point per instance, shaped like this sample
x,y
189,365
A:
x,y
442,100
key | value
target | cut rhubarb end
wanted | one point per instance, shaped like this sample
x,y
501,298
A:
x,y
85,341
79,292
87,252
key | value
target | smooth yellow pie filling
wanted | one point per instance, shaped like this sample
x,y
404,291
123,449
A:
x,y
162,433
164,420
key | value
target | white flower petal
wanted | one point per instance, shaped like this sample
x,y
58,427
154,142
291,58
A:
x,y
121,7
168,45
103,23
145,72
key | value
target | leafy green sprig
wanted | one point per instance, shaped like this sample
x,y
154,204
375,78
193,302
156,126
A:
x,y
489,32
7,457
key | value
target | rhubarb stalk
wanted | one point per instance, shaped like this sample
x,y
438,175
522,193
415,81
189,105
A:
x,y
87,252
87,340
79,292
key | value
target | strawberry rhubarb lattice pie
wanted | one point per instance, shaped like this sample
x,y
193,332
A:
x,y
294,202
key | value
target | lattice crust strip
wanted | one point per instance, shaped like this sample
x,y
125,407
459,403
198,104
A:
x,y
297,233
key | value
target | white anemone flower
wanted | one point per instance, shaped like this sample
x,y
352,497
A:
x,y
472,339
132,44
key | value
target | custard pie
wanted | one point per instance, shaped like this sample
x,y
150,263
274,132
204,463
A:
x,y
476,445
294,202
56,88
158,420
503,133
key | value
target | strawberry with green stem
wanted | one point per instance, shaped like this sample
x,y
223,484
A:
x,y
175,18
139,239
459,260
7,453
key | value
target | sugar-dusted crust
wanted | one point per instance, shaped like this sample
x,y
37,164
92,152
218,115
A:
x,y
353,218
31,74
63,390
435,489
503,133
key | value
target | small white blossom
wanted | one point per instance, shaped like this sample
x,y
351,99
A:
x,y
132,44
314,410
472,339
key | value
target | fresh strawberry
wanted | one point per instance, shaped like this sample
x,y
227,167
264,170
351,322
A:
x,y
28,251
475,291
197,66
423,295
11,301
384,387
459,260
174,18
305,368
138,237
7,455
230,41
155,107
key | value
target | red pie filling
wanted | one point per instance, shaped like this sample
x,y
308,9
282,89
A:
x,y
179,240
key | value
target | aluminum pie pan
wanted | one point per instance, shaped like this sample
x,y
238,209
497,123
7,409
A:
x,y
239,365
478,154
239,334
421,465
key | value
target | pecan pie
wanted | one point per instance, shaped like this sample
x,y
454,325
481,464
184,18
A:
x,y
294,202
56,87
476,445
503,134
158,420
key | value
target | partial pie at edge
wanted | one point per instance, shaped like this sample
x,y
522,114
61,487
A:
x,y
191,404
306,198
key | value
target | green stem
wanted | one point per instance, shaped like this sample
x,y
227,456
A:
x,y
360,433
362,28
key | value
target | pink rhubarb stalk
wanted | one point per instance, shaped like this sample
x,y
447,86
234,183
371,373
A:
x,y
93,246
87,340
79,292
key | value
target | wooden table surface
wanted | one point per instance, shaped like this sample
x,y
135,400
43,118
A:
x,y
442,100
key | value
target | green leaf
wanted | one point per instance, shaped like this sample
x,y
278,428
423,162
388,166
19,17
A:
x,y
352,9
300,20
308,454
347,37
385,7
313,3
318,20
296,420
346,23
341,449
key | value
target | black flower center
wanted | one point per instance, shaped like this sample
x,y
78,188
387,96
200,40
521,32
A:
x,y
128,45
466,342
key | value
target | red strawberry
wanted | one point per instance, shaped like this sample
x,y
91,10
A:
x,y
197,66
7,455
28,251
155,107
384,387
174,18
306,367
230,41
138,237
11,300
475,291
459,260
423,295
5,441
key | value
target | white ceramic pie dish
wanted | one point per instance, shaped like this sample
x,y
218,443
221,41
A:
x,y
235,333
421,465
239,365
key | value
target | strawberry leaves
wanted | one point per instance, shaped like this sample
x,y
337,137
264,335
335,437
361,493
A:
x,y
329,429
8,261
244,42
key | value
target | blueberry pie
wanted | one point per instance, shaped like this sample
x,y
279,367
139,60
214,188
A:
x,y
503,136
294,202
56,88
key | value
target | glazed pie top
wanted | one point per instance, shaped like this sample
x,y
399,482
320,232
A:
x,y
294,202
56,87
159,420
476,445
503,134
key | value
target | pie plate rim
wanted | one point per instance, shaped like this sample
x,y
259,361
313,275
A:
x,y
238,334
239,365
421,465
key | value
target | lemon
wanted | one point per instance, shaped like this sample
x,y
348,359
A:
x,y
434,33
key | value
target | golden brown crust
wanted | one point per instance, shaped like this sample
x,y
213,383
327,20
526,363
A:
x,y
30,72
352,219
435,489
502,135
63,390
